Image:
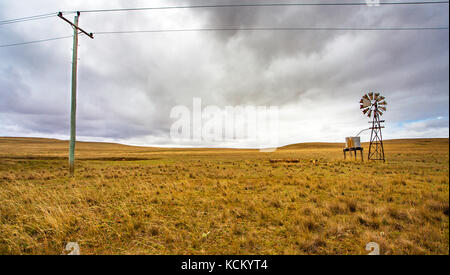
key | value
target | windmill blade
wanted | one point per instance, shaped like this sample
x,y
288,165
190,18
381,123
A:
x,y
382,108
382,103
365,111
365,97
366,102
371,95
380,98
376,95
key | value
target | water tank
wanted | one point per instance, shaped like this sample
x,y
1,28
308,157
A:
x,y
352,142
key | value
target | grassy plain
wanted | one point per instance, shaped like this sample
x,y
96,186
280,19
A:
x,y
140,200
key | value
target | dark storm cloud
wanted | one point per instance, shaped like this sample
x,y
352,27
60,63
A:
x,y
386,57
129,83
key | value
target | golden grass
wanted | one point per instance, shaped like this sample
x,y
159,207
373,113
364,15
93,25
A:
x,y
138,200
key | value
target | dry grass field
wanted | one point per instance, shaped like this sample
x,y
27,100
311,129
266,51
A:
x,y
138,200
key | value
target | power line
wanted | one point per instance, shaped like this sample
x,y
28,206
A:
x,y
274,29
48,15
236,29
28,18
35,41
263,5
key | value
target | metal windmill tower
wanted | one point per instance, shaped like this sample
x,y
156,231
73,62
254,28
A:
x,y
373,105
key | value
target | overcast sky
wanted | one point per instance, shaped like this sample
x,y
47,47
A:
x,y
128,83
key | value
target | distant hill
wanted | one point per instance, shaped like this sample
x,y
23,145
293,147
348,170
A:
x,y
57,144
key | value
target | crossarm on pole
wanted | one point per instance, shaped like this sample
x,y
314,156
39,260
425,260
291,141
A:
x,y
60,15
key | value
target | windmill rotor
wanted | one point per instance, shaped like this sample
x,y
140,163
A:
x,y
373,104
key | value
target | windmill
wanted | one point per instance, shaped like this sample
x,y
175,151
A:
x,y
373,105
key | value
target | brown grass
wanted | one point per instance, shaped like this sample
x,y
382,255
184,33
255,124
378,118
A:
x,y
138,200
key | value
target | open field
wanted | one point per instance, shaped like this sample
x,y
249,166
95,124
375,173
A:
x,y
138,200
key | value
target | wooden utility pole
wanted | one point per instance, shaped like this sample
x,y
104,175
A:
x,y
73,104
